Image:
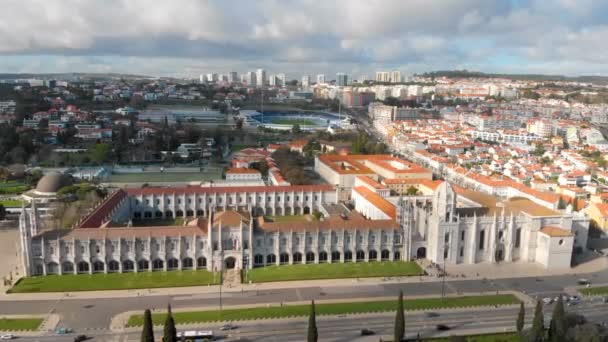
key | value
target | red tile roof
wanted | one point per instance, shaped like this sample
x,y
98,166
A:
x,y
96,218
378,201
226,189
235,170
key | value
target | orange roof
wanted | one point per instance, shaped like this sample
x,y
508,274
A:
x,y
603,208
378,201
371,182
555,231
242,170
388,163
352,163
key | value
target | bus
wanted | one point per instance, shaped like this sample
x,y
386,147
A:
x,y
195,336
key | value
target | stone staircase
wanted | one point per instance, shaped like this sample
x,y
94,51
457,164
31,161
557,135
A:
x,y
232,277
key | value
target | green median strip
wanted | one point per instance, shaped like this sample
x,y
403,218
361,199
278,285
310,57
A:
x,y
325,309
594,291
11,203
114,281
20,324
500,337
333,271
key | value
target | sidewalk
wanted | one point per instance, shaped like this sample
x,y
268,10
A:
x,y
455,273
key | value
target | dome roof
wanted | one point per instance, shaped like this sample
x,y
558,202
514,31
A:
x,y
52,182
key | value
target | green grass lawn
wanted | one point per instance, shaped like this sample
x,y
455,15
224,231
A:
x,y
11,203
12,187
595,291
155,177
301,122
17,324
325,309
113,281
333,271
236,148
178,221
287,218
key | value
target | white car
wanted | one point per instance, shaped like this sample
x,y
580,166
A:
x,y
7,337
547,300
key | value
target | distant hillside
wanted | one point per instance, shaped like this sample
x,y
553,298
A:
x,y
601,80
69,76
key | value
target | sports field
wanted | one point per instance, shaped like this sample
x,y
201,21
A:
x,y
155,177
288,121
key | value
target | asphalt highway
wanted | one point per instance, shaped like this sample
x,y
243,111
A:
x,y
348,327
84,315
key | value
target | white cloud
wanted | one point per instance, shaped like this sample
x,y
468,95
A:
x,y
300,34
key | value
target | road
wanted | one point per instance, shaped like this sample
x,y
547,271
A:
x,y
85,315
347,328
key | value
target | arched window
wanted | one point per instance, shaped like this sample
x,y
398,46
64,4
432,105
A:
x,y
297,258
323,257
187,263
201,262
127,266
348,256
284,258
310,257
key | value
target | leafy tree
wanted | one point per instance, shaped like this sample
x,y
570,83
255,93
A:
x,y
539,150
2,212
538,329
399,320
411,191
147,334
170,333
313,334
100,153
295,129
561,204
586,332
521,316
392,101
558,327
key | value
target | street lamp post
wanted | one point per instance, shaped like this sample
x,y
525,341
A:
x,y
221,279
444,271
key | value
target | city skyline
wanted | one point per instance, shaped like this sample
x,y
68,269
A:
x,y
300,38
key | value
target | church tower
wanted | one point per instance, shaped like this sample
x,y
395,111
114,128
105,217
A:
x,y
26,220
444,203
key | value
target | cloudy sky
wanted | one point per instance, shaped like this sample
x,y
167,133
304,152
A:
x,y
189,37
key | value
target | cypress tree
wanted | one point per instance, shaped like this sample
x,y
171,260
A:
x,y
170,333
521,316
561,204
147,334
558,322
399,320
313,335
538,328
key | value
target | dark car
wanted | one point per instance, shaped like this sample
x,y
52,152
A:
x,y
228,327
367,332
442,327
80,338
431,314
